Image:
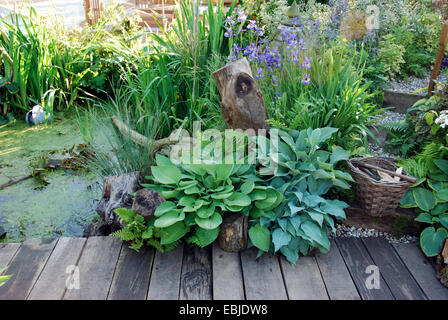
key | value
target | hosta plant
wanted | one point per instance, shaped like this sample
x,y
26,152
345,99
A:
x,y
198,195
304,175
430,197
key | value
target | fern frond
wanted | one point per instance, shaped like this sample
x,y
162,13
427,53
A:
x,y
395,126
124,235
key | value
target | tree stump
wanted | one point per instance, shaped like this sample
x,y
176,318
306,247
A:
x,y
233,234
242,103
442,264
117,193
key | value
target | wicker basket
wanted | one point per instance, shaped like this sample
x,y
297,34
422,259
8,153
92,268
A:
x,y
375,197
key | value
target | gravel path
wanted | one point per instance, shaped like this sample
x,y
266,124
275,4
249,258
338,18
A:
x,y
414,83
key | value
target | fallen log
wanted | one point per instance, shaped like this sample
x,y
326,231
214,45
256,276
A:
x,y
154,145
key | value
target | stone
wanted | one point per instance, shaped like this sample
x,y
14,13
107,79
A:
x,y
146,201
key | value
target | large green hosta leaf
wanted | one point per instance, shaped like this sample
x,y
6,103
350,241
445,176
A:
x,y
260,237
424,198
166,174
431,240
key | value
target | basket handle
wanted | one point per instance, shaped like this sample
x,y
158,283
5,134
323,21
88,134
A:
x,y
406,178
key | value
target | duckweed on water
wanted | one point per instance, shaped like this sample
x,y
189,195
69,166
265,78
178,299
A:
x,y
29,209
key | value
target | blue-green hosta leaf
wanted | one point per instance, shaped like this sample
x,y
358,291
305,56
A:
x,y
339,154
296,221
442,195
443,219
294,209
320,187
408,200
335,208
424,198
343,175
340,183
312,200
439,209
431,240
442,165
314,232
210,223
438,176
424,217
194,169
260,237
169,218
164,207
161,160
280,239
437,185
316,216
166,174
173,233
329,220
326,133
322,174
282,222
324,165
247,187
314,137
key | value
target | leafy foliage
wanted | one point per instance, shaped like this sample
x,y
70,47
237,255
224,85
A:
x,y
199,194
136,232
304,176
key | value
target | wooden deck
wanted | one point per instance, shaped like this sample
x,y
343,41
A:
x,y
108,269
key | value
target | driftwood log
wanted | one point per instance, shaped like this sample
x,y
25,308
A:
x,y
117,193
233,233
242,103
243,108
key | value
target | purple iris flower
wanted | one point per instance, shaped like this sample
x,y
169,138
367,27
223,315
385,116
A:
x,y
306,80
252,25
306,63
241,16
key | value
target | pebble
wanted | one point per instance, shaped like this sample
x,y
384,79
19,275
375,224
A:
x,y
353,232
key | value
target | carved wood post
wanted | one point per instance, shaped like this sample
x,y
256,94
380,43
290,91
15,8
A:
x,y
243,108
242,102
442,46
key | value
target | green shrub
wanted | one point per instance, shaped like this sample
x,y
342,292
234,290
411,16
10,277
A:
x,y
391,54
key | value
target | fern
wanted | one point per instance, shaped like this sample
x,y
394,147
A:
x,y
124,234
396,126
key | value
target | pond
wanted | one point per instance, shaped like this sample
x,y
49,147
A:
x,y
33,209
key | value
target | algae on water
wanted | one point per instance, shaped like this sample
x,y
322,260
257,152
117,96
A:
x,y
28,209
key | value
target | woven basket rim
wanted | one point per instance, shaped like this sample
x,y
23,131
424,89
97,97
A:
x,y
355,170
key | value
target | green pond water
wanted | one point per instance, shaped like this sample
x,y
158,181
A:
x,y
29,209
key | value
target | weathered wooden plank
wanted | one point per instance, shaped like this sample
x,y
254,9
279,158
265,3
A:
x,y
165,276
25,268
131,278
227,275
400,281
303,281
262,277
196,277
7,252
96,269
358,260
422,271
51,283
337,279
